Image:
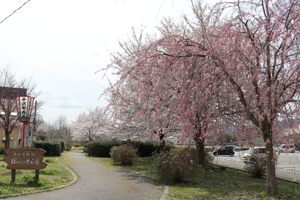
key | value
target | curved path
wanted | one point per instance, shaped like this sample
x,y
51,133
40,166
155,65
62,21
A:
x,y
97,182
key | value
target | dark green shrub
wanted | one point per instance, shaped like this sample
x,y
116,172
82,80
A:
x,y
1,151
175,166
100,148
51,148
146,149
123,155
30,181
62,145
256,166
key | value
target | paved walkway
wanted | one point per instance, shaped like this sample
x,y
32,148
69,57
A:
x,y
97,182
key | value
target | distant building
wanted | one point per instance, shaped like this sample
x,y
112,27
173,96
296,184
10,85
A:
x,y
7,93
15,137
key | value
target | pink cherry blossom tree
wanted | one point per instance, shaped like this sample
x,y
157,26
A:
x,y
255,44
239,59
174,87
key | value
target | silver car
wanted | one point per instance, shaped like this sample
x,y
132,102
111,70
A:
x,y
254,152
286,148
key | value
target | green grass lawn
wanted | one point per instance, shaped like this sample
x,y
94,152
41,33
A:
x,y
53,176
215,183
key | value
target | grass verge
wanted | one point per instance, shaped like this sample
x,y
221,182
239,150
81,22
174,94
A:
x,y
55,175
214,182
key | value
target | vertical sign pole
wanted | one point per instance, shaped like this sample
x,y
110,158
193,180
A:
x,y
23,135
13,175
37,174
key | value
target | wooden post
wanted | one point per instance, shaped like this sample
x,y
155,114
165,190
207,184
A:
x,y
37,175
23,134
13,175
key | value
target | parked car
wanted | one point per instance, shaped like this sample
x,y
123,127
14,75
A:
x,y
235,148
224,150
242,149
254,152
286,148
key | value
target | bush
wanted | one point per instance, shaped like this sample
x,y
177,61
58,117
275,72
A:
x,y
208,157
51,148
297,146
256,166
62,145
30,181
146,149
100,148
1,151
123,155
175,166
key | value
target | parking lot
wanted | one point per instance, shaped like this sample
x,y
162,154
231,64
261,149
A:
x,y
287,166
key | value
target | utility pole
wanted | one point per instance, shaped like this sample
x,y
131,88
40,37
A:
x,y
34,122
32,128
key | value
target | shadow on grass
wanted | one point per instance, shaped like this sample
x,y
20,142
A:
x,y
142,171
212,182
21,185
220,183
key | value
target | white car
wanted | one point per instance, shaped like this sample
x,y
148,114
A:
x,y
286,148
254,151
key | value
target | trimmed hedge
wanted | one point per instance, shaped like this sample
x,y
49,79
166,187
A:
x,y
102,148
51,148
62,145
146,149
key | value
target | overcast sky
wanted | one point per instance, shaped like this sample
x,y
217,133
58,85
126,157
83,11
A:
x,y
60,44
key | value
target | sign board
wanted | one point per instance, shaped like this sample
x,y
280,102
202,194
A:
x,y
27,158
24,107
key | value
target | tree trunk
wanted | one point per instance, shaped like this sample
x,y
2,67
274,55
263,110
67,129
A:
x,y
7,139
270,160
162,142
200,152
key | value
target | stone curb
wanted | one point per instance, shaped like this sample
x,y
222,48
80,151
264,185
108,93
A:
x,y
164,196
75,179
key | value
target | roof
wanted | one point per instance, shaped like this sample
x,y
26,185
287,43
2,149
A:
x,y
12,93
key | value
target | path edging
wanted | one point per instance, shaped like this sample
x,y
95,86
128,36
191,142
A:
x,y
165,194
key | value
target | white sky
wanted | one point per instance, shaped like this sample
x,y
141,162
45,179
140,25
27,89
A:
x,y
60,44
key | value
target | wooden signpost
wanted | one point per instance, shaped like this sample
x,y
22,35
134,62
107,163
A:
x,y
25,158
